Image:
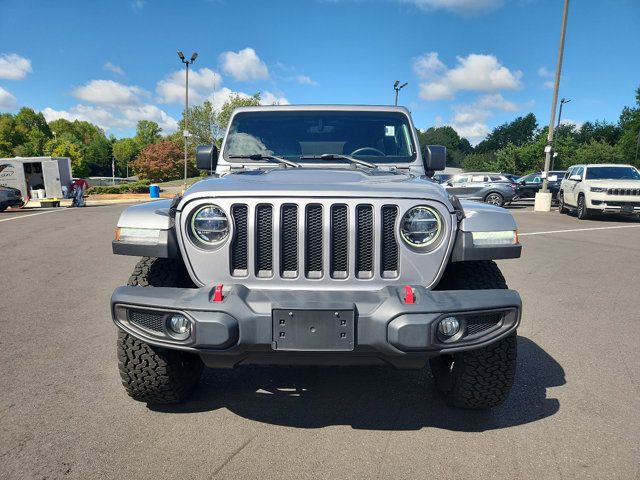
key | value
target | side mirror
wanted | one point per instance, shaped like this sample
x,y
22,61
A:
x,y
449,184
576,178
523,182
434,157
206,157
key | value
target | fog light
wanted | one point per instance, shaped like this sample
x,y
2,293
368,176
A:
x,y
179,324
449,326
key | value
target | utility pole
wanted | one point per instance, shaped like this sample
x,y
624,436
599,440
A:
x,y
543,198
398,88
186,110
637,145
555,154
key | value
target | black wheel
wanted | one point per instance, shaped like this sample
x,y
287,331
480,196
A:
x,y
494,198
152,374
562,208
480,378
2,209
583,211
156,375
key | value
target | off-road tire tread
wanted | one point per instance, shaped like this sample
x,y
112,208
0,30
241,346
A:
x,y
480,378
160,272
156,375
152,374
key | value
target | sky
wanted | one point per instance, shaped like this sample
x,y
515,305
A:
x,y
471,64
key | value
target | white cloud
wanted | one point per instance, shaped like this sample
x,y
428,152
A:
x,y
428,65
7,101
545,72
474,132
268,98
114,117
113,68
469,120
14,67
244,65
457,6
549,84
108,92
306,80
137,5
476,72
201,83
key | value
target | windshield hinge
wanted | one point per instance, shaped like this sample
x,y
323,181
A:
x,y
236,167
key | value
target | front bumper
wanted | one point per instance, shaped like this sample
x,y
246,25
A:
x,y
618,204
241,329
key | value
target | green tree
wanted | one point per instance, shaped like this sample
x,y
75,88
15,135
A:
x,y
518,132
124,152
31,133
97,156
479,162
66,148
147,133
8,137
235,101
630,127
598,152
160,162
457,147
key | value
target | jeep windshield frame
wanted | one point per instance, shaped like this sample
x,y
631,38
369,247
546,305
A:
x,y
377,137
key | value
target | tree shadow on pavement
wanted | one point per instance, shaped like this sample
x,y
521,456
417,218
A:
x,y
371,398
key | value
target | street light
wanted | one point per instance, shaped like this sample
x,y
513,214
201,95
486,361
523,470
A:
x,y
398,88
543,197
194,55
555,154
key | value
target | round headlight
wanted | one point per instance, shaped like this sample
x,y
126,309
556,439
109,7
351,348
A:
x,y
209,225
420,226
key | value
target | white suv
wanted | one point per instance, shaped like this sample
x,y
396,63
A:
x,y
600,188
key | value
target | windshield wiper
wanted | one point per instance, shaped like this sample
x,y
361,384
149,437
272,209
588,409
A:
x,y
259,156
338,156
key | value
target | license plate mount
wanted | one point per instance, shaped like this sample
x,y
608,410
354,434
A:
x,y
322,330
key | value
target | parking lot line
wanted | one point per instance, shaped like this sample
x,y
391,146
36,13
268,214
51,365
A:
x,y
578,230
31,215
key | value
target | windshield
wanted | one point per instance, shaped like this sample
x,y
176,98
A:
x,y
378,137
612,173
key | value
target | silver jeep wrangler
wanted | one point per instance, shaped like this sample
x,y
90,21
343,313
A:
x,y
318,239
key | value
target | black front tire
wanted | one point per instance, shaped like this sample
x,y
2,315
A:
x,y
562,207
494,198
583,211
152,374
481,378
156,375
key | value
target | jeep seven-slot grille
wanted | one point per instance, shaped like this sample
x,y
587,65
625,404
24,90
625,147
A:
x,y
352,233
624,191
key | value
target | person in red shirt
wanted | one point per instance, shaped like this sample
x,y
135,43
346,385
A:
x,y
79,186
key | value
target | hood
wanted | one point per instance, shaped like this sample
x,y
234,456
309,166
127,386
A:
x,y
319,182
614,183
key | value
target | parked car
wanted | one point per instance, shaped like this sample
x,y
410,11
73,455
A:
x,y
10,197
493,188
314,245
531,184
602,188
511,177
442,177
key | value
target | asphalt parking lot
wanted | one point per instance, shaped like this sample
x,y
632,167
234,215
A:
x,y
574,411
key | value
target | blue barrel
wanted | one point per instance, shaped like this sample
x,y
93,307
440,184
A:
x,y
154,191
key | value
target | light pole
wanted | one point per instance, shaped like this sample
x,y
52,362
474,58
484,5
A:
x,y
543,198
555,154
398,88
186,62
637,145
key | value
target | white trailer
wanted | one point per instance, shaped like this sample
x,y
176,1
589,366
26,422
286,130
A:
x,y
28,174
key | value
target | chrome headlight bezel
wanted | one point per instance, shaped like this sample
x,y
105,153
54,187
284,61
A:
x,y
434,241
197,239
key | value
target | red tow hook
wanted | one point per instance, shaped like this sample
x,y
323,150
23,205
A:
x,y
217,294
409,296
